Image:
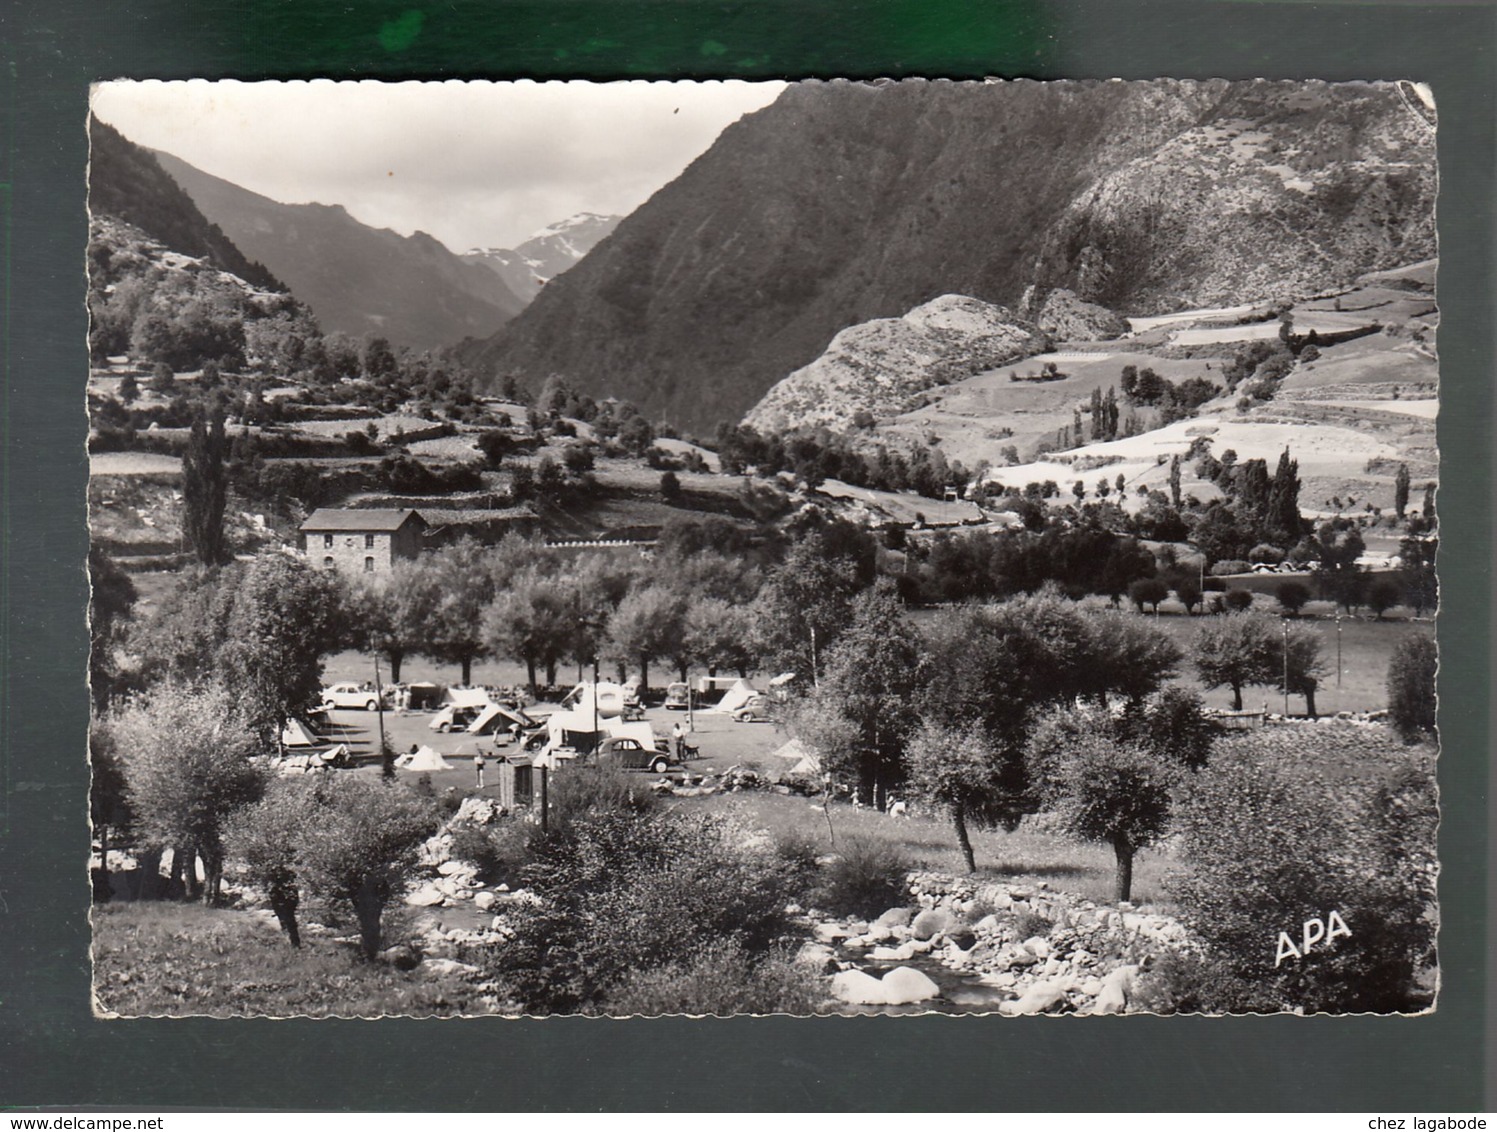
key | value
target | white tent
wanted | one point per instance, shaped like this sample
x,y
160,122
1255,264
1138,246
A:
x,y
562,723
467,697
611,700
297,734
807,761
497,718
423,759
736,696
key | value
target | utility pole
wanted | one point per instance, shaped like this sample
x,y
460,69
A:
x,y
814,680
387,765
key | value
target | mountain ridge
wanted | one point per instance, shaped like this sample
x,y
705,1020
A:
x,y
356,279
842,203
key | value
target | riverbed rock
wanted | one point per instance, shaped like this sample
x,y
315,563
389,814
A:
x,y
830,932
962,937
427,896
483,901
1041,998
437,968
1038,945
905,985
817,956
930,922
896,918
402,956
858,988
1117,986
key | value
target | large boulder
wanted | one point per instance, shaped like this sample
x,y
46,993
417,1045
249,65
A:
x,y
427,896
1117,988
896,918
905,985
1041,998
483,901
931,922
858,989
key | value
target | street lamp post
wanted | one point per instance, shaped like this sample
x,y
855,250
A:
x,y
1338,649
1285,623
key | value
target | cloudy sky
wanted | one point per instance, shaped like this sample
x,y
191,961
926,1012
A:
x,y
474,164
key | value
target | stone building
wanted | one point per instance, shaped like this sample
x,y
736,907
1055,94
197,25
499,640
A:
x,y
358,541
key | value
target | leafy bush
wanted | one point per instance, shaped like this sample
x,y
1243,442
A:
x,y
800,855
1230,566
496,856
1238,600
866,879
1027,925
1411,686
1272,839
723,980
626,893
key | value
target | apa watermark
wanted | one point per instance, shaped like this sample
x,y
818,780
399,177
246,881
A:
x,y
1317,931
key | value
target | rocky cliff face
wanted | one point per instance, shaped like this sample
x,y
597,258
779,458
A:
x,y
843,203
357,280
877,367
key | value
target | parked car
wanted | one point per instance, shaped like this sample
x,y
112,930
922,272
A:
x,y
455,717
759,709
677,697
350,696
629,754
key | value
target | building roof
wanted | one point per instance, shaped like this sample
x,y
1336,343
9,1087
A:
x,y
357,519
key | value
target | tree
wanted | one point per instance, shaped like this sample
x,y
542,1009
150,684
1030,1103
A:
x,y
1411,686
1175,481
1417,555
1173,724
163,381
265,837
960,769
285,617
1400,488
1107,788
1125,656
359,845
205,484
1281,518
1188,590
803,604
870,679
464,583
111,597
390,614
719,634
1148,591
1236,650
1292,596
185,752
532,619
670,487
1382,596
495,445
1300,666
1340,578
648,624
129,389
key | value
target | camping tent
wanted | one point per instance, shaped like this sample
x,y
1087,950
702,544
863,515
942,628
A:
x,y
422,695
565,728
467,697
298,734
736,696
496,718
422,759
612,699
807,761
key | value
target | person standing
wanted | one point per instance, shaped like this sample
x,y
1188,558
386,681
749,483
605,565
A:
x,y
478,765
678,741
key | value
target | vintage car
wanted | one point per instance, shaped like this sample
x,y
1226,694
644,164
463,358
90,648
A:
x,y
759,709
350,695
677,697
629,754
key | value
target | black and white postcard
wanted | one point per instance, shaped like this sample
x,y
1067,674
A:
x,y
671,548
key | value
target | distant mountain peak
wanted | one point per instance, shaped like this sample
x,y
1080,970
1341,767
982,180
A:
x,y
546,254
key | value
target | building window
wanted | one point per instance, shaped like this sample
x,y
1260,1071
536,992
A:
x,y
327,542
368,565
368,542
327,563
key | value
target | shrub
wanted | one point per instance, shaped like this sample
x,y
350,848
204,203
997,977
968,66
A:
x,y
800,855
723,980
1214,586
1230,566
1292,596
1266,553
1270,842
624,894
866,879
1238,600
497,857
1411,686
1027,925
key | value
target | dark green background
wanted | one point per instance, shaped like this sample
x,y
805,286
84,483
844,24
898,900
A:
x,y
52,1052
